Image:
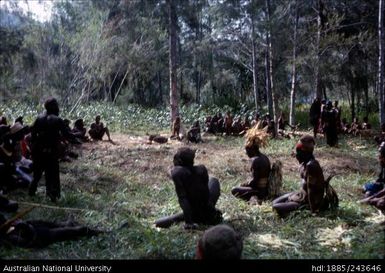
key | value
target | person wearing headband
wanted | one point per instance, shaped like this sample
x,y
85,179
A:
x,y
313,193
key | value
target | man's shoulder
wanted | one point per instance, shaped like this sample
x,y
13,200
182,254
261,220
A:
x,y
313,166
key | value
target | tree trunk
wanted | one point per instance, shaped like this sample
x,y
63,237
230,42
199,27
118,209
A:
x,y
270,65
269,97
180,67
381,60
174,105
353,95
160,87
293,68
255,71
317,78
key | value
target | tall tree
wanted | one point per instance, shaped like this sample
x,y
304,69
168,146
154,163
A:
x,y
381,93
173,21
254,56
293,67
269,63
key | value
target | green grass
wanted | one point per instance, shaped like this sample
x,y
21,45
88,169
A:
x,y
128,183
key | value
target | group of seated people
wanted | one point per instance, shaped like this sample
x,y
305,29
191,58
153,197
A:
x,y
227,125
198,193
356,128
17,145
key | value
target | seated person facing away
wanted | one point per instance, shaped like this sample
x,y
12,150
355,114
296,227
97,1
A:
x,y
194,134
98,130
197,193
38,234
371,188
315,193
220,242
260,167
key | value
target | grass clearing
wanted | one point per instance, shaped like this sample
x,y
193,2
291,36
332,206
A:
x,y
129,183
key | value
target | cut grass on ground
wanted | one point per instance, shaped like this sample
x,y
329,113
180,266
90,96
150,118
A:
x,y
129,183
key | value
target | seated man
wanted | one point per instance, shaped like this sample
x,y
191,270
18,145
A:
x,y
355,127
380,138
345,126
11,173
209,125
371,188
315,193
194,134
98,130
197,193
219,243
260,168
365,124
80,131
37,234
236,127
377,200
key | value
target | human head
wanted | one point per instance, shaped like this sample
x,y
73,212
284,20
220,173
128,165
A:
x,y
20,120
79,123
3,121
184,157
220,242
329,104
67,122
97,119
255,138
336,103
52,106
366,119
304,148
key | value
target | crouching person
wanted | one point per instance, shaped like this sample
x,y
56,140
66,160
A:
x,y
197,193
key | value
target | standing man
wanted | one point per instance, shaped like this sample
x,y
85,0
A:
x,y
46,133
329,121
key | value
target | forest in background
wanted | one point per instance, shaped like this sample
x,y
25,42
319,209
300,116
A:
x,y
264,55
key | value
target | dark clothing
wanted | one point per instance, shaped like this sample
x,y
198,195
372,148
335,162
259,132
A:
x,y
47,133
329,121
376,186
315,113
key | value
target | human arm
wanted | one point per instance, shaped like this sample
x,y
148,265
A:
x,y
177,177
